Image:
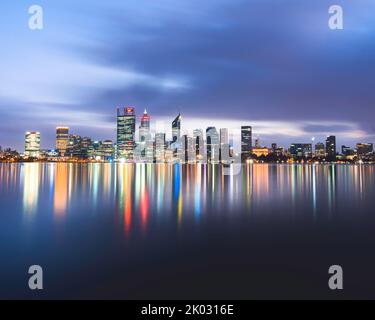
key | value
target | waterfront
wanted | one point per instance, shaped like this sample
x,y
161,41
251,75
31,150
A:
x,y
186,231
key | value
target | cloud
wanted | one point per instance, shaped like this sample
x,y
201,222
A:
x,y
273,63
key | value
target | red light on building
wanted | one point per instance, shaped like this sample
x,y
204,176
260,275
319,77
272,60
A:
x,y
129,110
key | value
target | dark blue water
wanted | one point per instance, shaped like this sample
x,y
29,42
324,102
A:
x,y
186,231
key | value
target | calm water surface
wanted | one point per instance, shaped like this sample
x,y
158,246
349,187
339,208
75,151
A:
x,y
186,231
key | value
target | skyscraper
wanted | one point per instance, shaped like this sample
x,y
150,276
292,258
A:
x,y
32,144
213,145
144,128
62,140
126,133
331,148
200,153
246,142
224,144
145,147
176,144
191,150
176,128
160,147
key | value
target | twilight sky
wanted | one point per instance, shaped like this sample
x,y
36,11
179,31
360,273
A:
x,y
274,65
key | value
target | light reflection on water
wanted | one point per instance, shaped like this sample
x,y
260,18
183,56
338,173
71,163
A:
x,y
184,193
120,224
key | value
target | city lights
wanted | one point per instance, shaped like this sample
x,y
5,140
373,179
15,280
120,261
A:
x,y
214,146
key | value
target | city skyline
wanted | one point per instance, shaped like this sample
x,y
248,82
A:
x,y
163,150
205,59
136,142
161,125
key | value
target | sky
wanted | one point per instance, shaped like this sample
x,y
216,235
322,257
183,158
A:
x,y
275,65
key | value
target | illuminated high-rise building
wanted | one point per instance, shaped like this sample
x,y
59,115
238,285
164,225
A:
x,y
160,147
246,143
224,144
188,149
32,144
176,144
331,148
200,152
126,133
176,128
191,150
144,128
213,145
145,147
62,140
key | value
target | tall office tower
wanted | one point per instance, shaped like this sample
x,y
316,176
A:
x,y
62,140
144,128
160,147
176,145
145,147
200,152
331,148
188,147
320,150
213,145
32,144
176,128
191,150
246,143
126,133
185,149
224,144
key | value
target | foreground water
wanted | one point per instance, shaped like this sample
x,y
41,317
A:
x,y
186,231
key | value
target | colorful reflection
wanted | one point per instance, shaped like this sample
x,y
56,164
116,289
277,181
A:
x,y
31,180
60,199
145,195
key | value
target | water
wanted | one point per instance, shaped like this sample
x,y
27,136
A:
x,y
186,231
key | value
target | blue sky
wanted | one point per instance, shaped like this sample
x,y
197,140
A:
x,y
272,64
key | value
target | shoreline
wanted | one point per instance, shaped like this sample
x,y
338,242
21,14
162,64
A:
x,y
190,164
